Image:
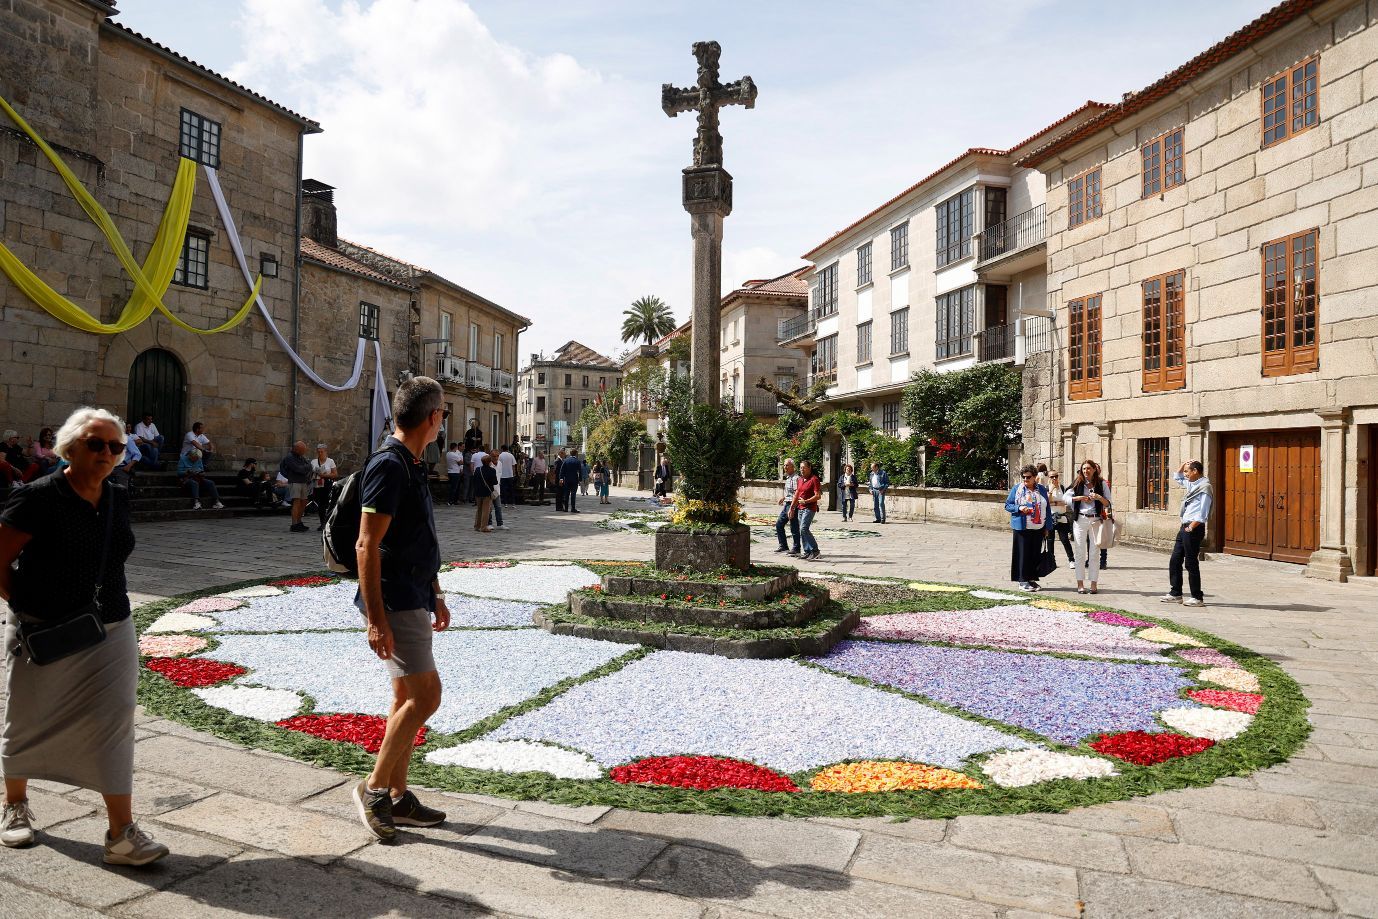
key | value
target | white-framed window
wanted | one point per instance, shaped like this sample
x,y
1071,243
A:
x,y
473,341
497,350
447,323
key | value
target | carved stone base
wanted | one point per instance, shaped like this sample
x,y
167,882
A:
x,y
1330,565
754,648
645,608
703,551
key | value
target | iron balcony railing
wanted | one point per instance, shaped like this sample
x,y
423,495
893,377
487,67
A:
x,y
796,326
1019,232
502,381
1038,335
762,405
823,376
995,343
479,376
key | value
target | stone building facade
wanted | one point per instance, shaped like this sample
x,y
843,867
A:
x,y
464,340
116,105
941,277
751,319
553,391
1212,258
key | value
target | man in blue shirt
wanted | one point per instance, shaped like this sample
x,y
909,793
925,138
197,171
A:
x,y
400,596
1196,511
571,471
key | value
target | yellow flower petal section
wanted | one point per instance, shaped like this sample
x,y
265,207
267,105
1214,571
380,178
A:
x,y
936,588
1061,606
873,775
1167,637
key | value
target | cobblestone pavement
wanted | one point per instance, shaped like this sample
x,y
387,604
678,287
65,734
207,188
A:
x,y
256,834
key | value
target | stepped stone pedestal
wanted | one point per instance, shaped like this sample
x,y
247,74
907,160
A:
x,y
703,550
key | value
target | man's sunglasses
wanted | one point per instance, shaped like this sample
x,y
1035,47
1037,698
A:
x,y
1026,477
96,445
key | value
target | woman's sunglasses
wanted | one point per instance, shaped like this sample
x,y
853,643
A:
x,y
96,445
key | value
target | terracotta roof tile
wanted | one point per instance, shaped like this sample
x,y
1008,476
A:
x,y
1212,57
334,258
791,284
572,352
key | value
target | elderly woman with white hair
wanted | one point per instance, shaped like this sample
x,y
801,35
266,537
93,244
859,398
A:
x,y
71,657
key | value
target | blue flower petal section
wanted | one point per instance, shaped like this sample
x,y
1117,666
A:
x,y
1057,697
482,671
775,713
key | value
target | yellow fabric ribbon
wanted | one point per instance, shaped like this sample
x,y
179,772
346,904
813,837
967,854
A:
x,y
150,280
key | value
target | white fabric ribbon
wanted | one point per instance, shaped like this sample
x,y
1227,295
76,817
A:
x,y
233,233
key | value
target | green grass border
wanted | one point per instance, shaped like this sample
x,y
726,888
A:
x,y
1278,730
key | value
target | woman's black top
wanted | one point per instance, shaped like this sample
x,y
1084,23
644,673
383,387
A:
x,y
57,570
1086,488
486,482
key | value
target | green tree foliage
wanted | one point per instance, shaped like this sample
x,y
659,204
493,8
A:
x,y
708,446
898,456
613,439
965,420
649,318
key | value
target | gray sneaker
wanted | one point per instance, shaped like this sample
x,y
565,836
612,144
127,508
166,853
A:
x,y
16,826
132,847
411,812
375,811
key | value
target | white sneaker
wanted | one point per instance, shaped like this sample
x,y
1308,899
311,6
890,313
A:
x,y
1169,598
217,506
1192,601
133,847
16,826
196,505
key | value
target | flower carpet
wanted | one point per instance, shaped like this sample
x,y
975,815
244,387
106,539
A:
x,y
945,700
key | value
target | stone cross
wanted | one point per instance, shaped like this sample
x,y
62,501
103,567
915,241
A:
x,y
708,199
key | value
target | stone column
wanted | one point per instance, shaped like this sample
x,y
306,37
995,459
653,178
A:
x,y
1196,443
1068,455
708,199
1015,459
1331,561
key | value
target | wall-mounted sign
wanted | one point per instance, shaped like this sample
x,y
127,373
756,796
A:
x,y
1246,458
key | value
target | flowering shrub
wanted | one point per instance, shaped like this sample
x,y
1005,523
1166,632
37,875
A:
x,y
702,773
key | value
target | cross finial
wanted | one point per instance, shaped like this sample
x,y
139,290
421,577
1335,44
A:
x,y
706,97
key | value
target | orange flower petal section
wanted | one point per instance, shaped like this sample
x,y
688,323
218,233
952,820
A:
x,y
873,775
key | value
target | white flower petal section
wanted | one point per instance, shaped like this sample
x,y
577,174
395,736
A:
x,y
1212,723
533,582
1018,768
296,609
180,622
261,590
1230,678
517,756
1167,637
996,595
252,701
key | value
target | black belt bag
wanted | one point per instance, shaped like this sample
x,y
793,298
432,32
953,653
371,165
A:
x,y
84,629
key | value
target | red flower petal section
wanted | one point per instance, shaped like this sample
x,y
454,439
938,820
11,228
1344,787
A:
x,y
1145,749
1247,702
701,773
314,580
194,672
364,730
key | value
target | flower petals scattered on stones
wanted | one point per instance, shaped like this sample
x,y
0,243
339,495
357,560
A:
x,y
180,622
517,756
1108,618
1213,723
210,605
252,701
313,580
1230,678
1168,637
1145,749
702,773
531,581
872,776
194,671
1018,768
995,595
170,645
258,590
936,588
1206,657
1247,702
362,730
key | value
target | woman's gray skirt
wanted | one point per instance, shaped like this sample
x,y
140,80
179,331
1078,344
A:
x,y
72,721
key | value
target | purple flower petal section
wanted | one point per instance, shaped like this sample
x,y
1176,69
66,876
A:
x,y
1057,697
1025,627
1207,657
1105,617
775,713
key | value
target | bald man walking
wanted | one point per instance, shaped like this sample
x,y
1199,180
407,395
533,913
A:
x,y
296,469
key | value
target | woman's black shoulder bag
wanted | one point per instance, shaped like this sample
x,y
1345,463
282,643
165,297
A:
x,y
45,644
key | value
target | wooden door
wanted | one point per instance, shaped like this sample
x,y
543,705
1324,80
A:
x,y
158,384
1274,511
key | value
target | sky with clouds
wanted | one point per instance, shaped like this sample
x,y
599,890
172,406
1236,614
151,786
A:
x,y
518,147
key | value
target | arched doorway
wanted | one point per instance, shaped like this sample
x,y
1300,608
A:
x,y
158,384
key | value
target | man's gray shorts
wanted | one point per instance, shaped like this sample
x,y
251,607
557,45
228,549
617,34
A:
x,y
411,642
298,491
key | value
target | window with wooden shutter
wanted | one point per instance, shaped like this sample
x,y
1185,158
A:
x,y
1162,158
1083,198
1164,333
1291,303
1083,348
1290,102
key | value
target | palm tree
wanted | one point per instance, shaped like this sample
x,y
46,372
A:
x,y
649,318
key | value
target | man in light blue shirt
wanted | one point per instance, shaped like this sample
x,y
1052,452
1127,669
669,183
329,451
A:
x,y
787,518
1196,511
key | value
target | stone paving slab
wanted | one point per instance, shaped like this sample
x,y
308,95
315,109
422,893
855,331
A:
x,y
1303,831
723,878
780,842
290,831
264,885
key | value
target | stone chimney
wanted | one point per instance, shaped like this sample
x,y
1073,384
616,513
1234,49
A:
x,y
318,212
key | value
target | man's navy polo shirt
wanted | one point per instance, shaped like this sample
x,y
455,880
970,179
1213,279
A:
x,y
393,482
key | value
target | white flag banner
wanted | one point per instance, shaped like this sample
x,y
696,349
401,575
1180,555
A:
x,y
381,425
233,233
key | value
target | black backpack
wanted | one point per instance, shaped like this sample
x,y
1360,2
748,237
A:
x,y
342,522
